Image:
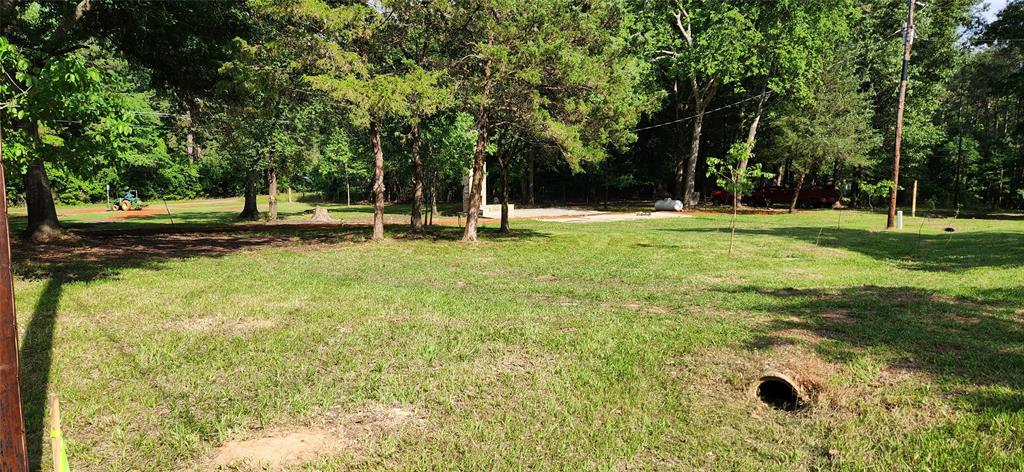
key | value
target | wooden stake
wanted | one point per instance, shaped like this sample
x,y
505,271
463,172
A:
x,y
56,445
913,202
13,452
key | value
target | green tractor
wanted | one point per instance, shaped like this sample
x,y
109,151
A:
x,y
128,202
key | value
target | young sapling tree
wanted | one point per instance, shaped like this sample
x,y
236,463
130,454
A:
x,y
739,180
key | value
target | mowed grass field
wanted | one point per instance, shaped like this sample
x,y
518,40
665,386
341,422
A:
x,y
610,346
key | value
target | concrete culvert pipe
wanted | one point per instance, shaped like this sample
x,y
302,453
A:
x,y
779,391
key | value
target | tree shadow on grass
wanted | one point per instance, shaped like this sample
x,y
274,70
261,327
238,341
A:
x,y
36,359
976,341
93,255
929,251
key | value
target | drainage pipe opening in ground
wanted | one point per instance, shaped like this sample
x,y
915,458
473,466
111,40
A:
x,y
779,392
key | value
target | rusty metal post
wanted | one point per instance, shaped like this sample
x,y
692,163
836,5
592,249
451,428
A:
x,y
13,452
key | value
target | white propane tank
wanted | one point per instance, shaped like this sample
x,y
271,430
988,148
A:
x,y
668,204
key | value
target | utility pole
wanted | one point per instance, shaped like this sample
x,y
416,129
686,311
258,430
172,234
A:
x,y
13,455
908,43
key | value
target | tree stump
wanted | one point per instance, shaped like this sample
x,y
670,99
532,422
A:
x,y
320,215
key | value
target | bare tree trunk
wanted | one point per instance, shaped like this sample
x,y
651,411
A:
x,y
417,180
249,210
752,132
42,213
796,192
682,159
473,212
378,182
735,206
503,163
191,150
272,193
606,184
530,164
701,98
190,145
433,197
691,164
348,189
479,154
680,175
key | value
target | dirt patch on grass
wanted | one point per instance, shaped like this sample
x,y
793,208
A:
x,y
278,450
286,449
546,278
839,316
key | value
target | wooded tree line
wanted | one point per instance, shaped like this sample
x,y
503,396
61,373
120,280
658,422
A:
x,y
396,100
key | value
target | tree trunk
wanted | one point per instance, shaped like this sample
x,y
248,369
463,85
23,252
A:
x,y
691,164
190,145
679,189
473,212
529,178
190,137
348,189
417,180
735,207
433,198
796,192
503,163
606,184
702,97
479,154
378,182
680,175
752,131
42,214
272,193
249,210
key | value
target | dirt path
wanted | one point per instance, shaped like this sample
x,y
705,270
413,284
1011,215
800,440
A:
x,y
143,213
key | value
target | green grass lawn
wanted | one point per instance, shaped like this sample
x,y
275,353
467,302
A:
x,y
629,345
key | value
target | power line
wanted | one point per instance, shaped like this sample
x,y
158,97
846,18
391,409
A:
x,y
708,112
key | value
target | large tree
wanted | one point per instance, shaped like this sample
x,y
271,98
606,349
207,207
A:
x,y
564,73
360,67
827,131
705,45
180,41
795,37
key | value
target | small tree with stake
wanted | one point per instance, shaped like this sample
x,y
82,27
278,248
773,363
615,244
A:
x,y
739,180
